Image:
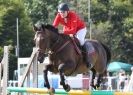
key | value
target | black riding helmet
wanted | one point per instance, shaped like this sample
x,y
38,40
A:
x,y
63,7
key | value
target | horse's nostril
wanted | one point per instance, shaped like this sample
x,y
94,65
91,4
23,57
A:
x,y
39,50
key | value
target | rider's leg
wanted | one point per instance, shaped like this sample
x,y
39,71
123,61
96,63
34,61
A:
x,y
81,37
88,56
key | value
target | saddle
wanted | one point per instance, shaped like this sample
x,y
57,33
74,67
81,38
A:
x,y
77,45
79,48
88,51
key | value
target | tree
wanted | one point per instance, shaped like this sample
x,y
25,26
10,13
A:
x,y
41,10
15,9
109,20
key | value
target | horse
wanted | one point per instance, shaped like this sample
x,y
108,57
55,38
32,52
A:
x,y
64,58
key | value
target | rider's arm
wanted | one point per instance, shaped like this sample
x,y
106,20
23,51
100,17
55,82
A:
x,y
56,21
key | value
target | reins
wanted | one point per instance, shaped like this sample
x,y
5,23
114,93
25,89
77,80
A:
x,y
58,44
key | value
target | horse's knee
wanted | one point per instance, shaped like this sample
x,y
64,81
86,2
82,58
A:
x,y
68,65
44,71
61,67
46,68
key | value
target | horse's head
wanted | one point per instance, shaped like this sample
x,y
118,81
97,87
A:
x,y
41,39
45,38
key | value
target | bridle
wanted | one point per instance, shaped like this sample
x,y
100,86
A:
x,y
55,48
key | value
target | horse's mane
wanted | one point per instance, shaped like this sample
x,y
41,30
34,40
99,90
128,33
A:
x,y
40,25
53,29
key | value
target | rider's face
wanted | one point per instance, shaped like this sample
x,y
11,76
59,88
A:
x,y
63,14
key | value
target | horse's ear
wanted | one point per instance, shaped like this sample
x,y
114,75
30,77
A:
x,y
34,28
43,26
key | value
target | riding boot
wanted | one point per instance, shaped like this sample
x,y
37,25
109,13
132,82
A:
x,y
88,57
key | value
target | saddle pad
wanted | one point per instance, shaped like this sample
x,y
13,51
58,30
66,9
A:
x,y
90,48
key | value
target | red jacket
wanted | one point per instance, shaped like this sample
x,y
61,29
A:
x,y
74,23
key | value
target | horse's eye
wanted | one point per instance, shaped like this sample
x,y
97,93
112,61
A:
x,y
39,29
43,38
34,40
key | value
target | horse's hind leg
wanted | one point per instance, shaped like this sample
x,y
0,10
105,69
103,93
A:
x,y
99,77
93,77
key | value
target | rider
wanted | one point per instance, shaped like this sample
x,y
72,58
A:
x,y
73,25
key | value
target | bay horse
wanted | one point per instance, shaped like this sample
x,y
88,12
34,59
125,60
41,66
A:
x,y
63,57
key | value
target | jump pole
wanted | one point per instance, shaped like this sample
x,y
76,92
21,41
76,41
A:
x,y
0,77
33,58
63,92
46,91
4,66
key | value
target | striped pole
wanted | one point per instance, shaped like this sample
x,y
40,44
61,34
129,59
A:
x,y
63,92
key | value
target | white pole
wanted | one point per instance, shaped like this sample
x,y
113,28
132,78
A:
x,y
89,20
0,78
35,70
5,70
17,50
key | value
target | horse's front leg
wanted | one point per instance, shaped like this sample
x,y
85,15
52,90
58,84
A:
x,y
46,82
62,68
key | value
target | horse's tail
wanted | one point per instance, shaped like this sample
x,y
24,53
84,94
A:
x,y
107,52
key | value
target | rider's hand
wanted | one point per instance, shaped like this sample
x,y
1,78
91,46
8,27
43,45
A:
x,y
61,32
71,35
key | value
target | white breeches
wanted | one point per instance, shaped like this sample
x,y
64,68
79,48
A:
x,y
81,35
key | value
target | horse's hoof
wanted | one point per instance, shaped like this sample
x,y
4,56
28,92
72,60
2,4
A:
x,y
67,88
45,85
94,87
62,83
51,91
98,87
